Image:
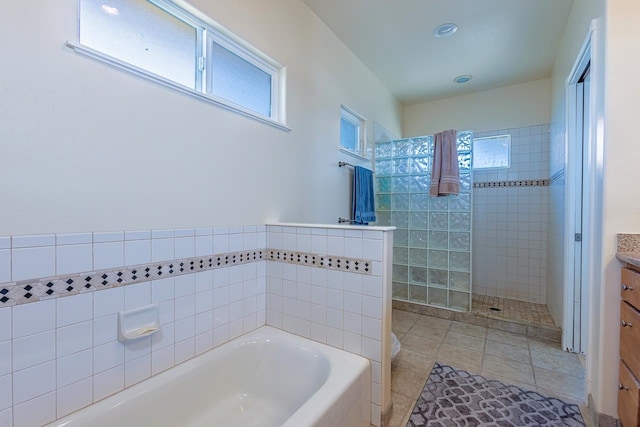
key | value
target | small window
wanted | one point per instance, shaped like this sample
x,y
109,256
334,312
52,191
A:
x,y
352,127
159,40
239,79
492,152
143,35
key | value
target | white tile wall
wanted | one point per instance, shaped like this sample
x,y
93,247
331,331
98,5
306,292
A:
x,y
57,356
510,223
341,309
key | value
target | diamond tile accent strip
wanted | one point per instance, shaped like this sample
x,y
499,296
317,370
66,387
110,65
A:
x,y
324,261
524,183
454,397
24,292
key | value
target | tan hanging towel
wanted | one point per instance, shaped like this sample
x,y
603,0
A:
x,y
445,173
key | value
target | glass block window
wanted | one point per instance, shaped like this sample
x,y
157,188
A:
x,y
492,152
160,41
432,241
352,127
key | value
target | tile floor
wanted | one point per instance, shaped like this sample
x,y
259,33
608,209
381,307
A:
x,y
514,359
511,309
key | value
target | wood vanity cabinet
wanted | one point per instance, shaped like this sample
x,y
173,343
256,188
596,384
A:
x,y
629,386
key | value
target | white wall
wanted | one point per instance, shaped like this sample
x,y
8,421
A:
x,y
88,148
621,208
507,107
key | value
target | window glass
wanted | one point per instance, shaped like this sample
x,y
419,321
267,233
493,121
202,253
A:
x,y
351,130
141,34
348,134
236,79
492,152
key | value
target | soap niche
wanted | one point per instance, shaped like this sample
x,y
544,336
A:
x,y
138,323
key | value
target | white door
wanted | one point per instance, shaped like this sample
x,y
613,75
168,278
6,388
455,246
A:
x,y
580,284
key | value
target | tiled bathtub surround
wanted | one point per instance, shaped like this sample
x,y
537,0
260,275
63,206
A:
x,y
510,221
61,353
345,309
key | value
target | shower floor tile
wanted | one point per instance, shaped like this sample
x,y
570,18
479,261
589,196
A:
x,y
511,309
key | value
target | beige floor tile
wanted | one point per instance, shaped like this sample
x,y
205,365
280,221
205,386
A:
x,y
468,329
519,354
507,338
510,381
508,369
428,331
544,346
586,416
419,344
402,407
560,383
434,322
407,383
399,334
414,361
563,397
460,358
465,341
504,357
402,315
561,361
401,325
583,360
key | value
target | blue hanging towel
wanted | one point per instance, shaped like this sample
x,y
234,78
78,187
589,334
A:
x,y
363,205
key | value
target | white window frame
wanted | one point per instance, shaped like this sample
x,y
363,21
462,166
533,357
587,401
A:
x,y
207,29
508,136
360,122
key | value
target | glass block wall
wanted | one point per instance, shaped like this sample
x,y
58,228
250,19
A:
x,y
432,241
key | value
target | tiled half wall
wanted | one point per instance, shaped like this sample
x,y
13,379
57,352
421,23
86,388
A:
x,y
58,342
510,225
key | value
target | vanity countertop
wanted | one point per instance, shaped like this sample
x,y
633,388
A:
x,y
629,249
632,258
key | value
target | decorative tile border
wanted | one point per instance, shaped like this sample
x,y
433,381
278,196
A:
x,y
521,183
324,261
26,291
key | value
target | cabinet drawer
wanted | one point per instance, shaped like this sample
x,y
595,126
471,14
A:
x,y
628,397
630,337
630,287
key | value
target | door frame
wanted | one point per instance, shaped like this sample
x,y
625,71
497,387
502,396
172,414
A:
x,y
591,52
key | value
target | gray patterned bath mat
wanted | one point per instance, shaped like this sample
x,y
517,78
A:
x,y
453,397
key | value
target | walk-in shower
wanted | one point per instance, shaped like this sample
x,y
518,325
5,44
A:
x,y
432,241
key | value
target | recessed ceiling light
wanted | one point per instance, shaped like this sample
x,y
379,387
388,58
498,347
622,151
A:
x,y
445,30
463,78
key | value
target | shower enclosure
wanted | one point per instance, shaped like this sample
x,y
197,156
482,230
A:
x,y
432,241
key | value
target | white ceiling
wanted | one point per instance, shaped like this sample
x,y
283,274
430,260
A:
x,y
499,42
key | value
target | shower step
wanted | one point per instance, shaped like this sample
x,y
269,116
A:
x,y
486,319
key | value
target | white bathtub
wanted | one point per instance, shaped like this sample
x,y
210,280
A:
x,y
267,377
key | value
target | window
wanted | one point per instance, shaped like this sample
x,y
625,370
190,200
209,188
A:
x,y
352,126
492,152
158,40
